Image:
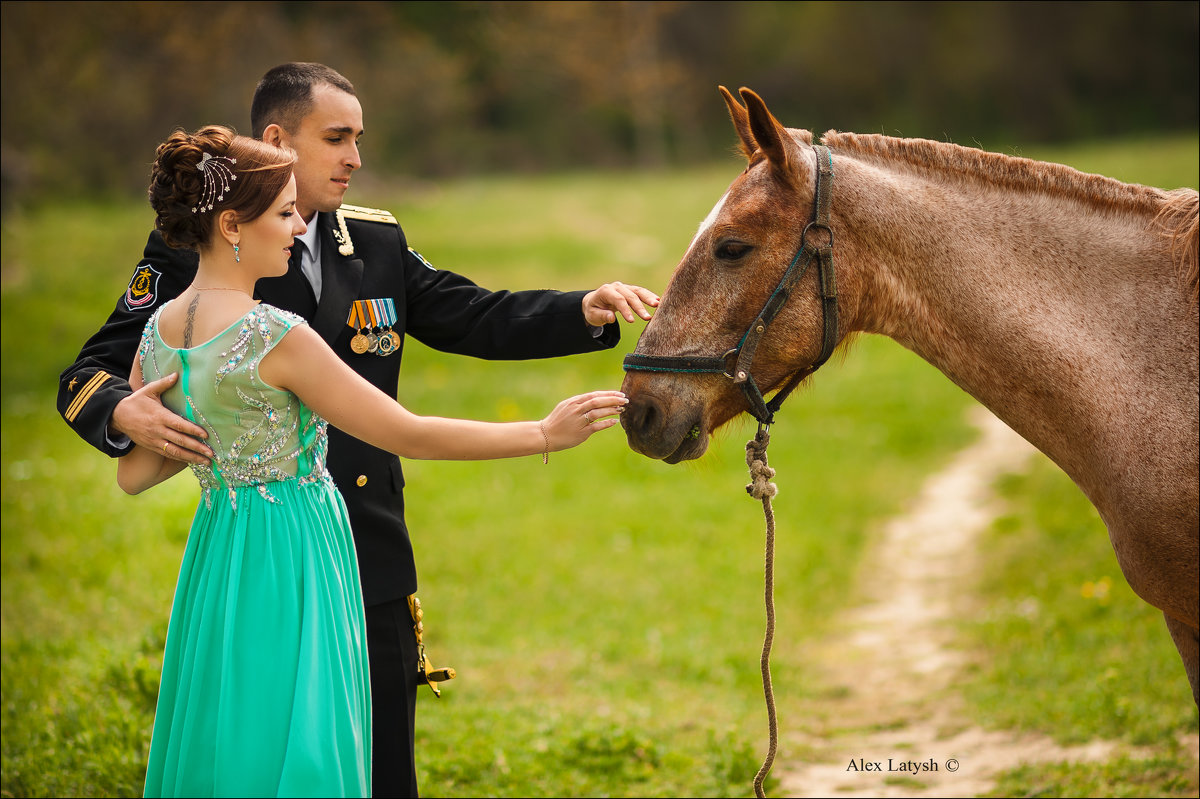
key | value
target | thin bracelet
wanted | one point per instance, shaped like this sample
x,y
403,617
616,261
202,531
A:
x,y
546,454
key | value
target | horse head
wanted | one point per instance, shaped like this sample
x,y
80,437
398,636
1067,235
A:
x,y
691,368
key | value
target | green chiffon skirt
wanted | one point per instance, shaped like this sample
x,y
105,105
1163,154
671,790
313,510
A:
x,y
265,686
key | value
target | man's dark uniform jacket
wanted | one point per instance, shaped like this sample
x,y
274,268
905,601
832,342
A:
x,y
364,255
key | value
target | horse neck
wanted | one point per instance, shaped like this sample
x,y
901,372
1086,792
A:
x,y
1059,313
936,251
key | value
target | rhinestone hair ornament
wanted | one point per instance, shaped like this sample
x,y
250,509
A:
x,y
218,178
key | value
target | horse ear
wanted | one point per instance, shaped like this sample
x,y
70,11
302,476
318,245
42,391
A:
x,y
741,122
770,136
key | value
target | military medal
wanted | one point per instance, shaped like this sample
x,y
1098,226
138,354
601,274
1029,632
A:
x,y
373,328
383,342
358,320
386,345
385,314
359,343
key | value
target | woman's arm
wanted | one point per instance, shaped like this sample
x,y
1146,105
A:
x,y
304,364
143,468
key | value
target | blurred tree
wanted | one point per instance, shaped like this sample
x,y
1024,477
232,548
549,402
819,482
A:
x,y
461,86
1030,71
601,62
91,88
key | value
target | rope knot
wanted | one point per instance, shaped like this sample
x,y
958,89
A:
x,y
760,486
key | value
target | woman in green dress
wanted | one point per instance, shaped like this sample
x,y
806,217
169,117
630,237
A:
x,y
265,689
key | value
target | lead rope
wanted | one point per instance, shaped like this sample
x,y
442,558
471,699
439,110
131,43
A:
x,y
762,489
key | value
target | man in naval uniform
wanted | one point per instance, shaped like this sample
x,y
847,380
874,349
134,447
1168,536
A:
x,y
352,263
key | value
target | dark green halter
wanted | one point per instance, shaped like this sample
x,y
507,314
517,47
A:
x,y
736,363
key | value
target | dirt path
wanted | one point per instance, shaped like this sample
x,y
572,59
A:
x,y
894,727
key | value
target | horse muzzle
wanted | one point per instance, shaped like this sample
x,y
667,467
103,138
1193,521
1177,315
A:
x,y
655,432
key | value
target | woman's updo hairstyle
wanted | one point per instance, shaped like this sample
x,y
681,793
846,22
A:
x,y
198,175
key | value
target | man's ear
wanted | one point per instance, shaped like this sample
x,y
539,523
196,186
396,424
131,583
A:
x,y
275,135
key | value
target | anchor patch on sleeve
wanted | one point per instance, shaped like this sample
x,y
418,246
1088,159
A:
x,y
143,287
421,258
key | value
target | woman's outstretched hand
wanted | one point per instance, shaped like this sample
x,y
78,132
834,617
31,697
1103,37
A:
x,y
576,418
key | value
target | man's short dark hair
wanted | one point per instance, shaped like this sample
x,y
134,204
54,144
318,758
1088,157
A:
x,y
284,95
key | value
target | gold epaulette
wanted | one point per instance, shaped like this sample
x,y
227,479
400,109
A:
x,y
369,214
342,234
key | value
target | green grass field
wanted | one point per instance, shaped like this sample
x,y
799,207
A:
x,y
604,612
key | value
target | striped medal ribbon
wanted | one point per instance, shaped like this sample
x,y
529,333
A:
x,y
373,320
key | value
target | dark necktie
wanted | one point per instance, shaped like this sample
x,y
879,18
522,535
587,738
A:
x,y
290,291
297,274
294,259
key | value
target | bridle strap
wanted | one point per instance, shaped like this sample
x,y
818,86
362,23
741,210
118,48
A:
x,y
743,354
665,363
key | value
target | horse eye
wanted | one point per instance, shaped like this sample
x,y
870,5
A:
x,y
733,250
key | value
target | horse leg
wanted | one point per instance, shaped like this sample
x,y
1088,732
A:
x,y
1187,641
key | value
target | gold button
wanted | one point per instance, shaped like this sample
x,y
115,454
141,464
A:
x,y
362,480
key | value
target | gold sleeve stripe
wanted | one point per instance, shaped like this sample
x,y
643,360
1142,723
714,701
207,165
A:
x,y
83,396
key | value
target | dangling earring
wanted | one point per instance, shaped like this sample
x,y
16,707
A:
x,y
237,259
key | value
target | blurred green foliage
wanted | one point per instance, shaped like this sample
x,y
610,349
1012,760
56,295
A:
x,y
460,87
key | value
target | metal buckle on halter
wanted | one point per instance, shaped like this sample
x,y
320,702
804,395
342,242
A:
x,y
810,226
729,368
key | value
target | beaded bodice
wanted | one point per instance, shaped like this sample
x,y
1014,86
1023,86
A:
x,y
259,434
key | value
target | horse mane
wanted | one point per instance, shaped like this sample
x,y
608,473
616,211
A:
x,y
1175,211
1179,221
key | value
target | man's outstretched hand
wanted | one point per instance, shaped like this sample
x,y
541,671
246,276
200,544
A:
x,y
605,304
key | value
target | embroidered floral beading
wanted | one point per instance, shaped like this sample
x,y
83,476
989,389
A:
x,y
236,353
256,432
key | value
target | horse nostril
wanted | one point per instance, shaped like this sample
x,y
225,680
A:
x,y
642,417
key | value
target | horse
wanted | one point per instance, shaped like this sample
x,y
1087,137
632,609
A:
x,y
1064,302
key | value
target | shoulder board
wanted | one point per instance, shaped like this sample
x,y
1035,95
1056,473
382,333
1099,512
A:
x,y
368,214
357,212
